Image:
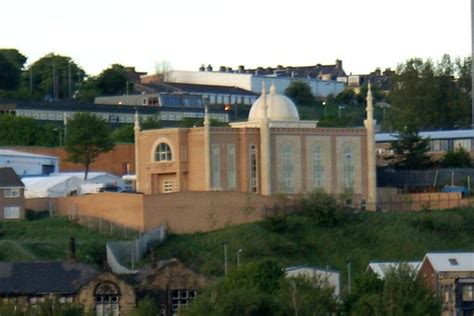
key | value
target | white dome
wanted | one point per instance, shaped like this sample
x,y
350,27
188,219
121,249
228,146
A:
x,y
279,108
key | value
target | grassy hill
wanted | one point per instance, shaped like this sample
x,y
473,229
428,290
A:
x,y
47,239
360,238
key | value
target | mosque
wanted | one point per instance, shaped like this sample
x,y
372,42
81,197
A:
x,y
274,152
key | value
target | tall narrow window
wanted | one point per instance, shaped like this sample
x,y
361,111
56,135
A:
x,y
318,166
288,169
348,170
215,167
231,167
253,168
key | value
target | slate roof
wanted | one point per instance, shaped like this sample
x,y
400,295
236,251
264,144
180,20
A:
x,y
9,179
24,278
451,261
170,87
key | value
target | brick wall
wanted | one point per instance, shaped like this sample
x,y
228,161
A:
x,y
112,162
182,212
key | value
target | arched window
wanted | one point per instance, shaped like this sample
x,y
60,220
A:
x,y
107,298
348,171
163,152
288,169
317,156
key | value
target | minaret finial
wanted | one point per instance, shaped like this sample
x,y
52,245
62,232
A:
x,y
370,100
273,89
136,126
264,88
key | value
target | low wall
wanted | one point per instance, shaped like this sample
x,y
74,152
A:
x,y
190,212
39,204
181,213
120,208
421,201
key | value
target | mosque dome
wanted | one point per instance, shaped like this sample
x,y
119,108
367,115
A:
x,y
279,107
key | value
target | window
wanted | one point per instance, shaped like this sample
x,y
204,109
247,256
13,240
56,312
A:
x,y
288,169
11,212
453,261
180,299
348,166
215,167
253,168
318,166
230,167
11,193
468,292
163,152
167,187
107,299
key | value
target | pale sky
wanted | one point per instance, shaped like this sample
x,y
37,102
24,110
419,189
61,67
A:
x,y
364,34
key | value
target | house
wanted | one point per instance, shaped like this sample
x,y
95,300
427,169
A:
x,y
170,283
451,275
27,284
12,200
325,277
272,152
382,268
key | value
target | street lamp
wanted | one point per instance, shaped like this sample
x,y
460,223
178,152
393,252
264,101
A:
x,y
324,108
60,136
238,258
225,243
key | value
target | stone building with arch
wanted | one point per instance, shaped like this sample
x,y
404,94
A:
x,y
272,152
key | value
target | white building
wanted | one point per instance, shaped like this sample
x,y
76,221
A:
x,y
320,88
382,268
26,164
326,277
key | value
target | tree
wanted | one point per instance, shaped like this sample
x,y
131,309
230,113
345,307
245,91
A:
x,y
431,95
459,158
111,81
300,92
251,290
307,296
54,76
322,208
400,293
87,137
411,150
11,65
123,134
146,307
163,70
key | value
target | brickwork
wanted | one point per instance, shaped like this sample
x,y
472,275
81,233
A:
x,y
115,161
7,201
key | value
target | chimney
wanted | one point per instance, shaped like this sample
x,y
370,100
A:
x,y
72,249
209,68
338,64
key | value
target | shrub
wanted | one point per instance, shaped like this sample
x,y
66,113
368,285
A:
x,y
323,208
31,215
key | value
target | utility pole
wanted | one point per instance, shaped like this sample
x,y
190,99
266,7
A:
x,y
69,78
225,243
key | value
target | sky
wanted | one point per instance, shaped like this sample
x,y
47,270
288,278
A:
x,y
364,34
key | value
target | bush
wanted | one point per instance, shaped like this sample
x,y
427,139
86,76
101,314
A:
x,y
31,215
323,209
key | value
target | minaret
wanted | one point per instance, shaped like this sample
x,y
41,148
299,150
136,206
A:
x,y
371,167
265,152
207,149
136,129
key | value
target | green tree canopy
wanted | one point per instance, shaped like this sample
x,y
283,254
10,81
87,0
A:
x,y
11,65
431,95
54,76
400,293
411,150
460,158
87,137
300,92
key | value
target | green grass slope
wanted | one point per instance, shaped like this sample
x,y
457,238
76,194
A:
x,y
48,239
360,238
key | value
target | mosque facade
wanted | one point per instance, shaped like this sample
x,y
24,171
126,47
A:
x,y
273,152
